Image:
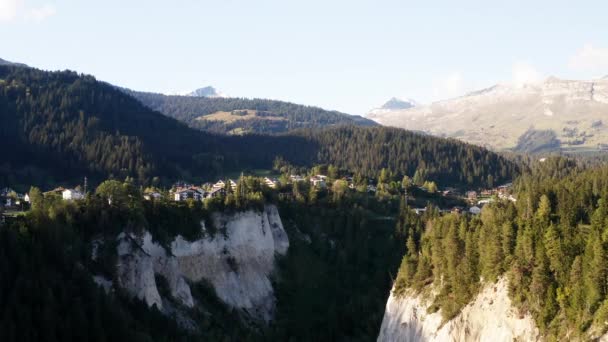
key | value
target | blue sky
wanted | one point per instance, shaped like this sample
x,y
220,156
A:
x,y
345,55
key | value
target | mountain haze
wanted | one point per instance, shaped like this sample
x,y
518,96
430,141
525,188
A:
x,y
497,117
208,91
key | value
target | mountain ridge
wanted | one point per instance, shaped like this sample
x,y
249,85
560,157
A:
x,y
497,116
236,116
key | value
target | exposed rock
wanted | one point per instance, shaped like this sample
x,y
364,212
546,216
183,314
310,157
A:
x,y
489,317
103,282
238,263
135,271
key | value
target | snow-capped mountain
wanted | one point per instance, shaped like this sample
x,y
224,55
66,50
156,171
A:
x,y
575,111
207,91
394,104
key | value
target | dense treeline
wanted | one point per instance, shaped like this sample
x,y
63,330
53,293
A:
x,y
334,282
190,109
552,245
75,126
450,162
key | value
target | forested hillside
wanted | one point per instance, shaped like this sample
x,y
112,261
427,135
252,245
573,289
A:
x,y
367,150
551,244
240,115
62,126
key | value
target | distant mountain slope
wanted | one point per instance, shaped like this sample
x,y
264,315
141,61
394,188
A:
x,y
5,62
239,115
57,127
208,91
496,117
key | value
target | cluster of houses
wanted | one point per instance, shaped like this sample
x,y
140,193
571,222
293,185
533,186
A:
x,y
10,198
68,194
477,200
502,192
182,192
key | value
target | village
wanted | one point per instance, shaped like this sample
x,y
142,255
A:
x,y
471,201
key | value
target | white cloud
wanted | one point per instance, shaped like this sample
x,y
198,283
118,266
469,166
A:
x,y
524,73
590,58
449,86
41,13
11,10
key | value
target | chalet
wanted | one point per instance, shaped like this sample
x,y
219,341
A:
x,y
72,195
149,196
419,211
222,185
475,210
215,192
319,181
194,193
57,191
485,201
219,185
296,178
471,195
271,182
508,197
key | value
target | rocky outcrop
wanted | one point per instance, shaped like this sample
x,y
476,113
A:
x,y
237,262
489,317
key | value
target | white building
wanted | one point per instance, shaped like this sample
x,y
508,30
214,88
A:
x,y
148,196
72,195
318,181
271,182
296,178
419,211
183,194
215,192
222,185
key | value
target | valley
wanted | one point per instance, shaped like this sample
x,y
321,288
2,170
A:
x,y
140,216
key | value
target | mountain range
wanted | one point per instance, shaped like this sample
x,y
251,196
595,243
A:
x,y
555,114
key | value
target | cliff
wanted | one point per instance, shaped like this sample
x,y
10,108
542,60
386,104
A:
x,y
237,262
489,317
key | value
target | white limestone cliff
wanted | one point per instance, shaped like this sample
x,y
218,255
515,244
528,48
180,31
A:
x,y
238,264
489,317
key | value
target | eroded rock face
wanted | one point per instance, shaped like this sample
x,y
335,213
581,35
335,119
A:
x,y
489,317
238,263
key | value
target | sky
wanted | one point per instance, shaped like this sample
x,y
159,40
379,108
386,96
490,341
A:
x,y
350,56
